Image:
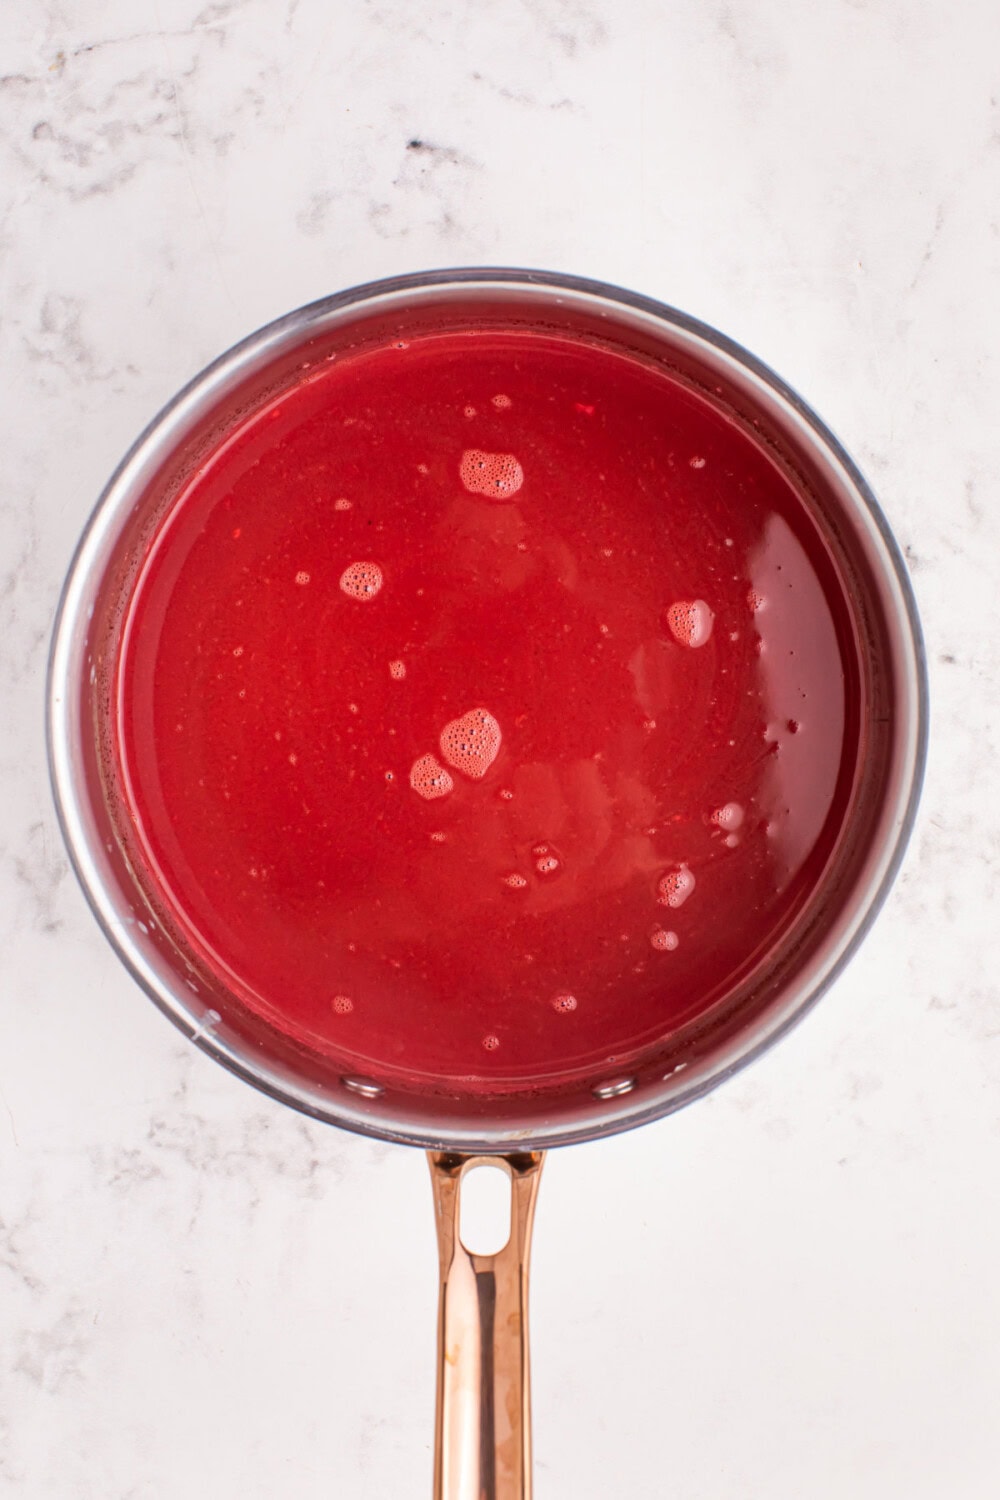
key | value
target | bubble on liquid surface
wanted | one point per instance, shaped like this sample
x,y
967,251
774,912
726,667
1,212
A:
x,y
697,462
502,402
471,743
663,941
548,860
755,600
564,1004
515,881
397,670
302,577
497,475
690,622
429,779
491,1042
342,504
729,818
362,580
675,887
342,1005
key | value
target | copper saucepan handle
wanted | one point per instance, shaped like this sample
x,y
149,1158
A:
x,y
483,1427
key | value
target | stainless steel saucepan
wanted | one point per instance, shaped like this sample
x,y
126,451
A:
x,y
483,1428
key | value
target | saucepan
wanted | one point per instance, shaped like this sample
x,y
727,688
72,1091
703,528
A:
x,y
483,1427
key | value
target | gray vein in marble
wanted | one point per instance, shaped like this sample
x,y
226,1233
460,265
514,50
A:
x,y
431,173
10,1116
761,59
15,1241
87,152
569,24
929,248
39,871
25,591
58,339
54,1357
529,100
259,1146
94,136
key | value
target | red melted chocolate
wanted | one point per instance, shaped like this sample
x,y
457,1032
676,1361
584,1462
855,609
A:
x,y
481,707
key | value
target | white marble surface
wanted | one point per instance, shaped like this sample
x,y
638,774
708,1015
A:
x,y
789,1290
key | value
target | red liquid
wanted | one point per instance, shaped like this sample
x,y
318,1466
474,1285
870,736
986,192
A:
x,y
632,597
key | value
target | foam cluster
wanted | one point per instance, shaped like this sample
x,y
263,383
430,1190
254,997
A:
x,y
471,744
690,622
429,779
547,861
675,887
496,475
362,580
729,817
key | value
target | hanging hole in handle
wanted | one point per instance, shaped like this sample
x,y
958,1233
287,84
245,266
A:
x,y
484,1210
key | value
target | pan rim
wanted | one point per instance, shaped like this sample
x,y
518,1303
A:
x,y
348,1107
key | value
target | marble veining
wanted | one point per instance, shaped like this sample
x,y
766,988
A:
x,y
787,1290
